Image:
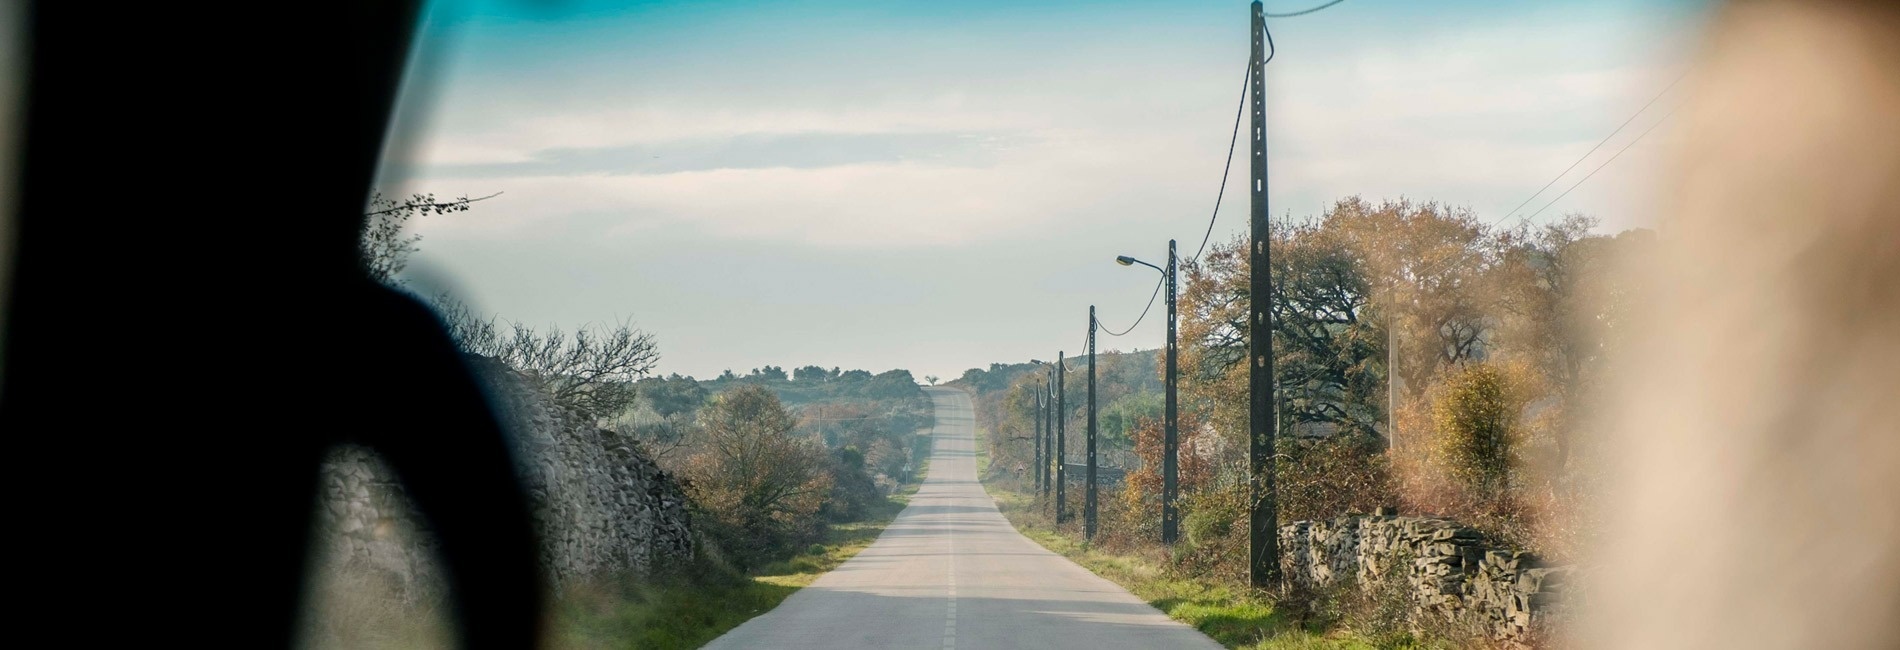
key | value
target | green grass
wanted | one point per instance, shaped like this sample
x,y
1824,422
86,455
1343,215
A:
x,y
683,613
1235,618
982,453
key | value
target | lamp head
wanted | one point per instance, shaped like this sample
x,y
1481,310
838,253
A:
x,y
1124,260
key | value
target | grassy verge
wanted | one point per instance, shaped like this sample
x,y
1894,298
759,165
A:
x,y
1234,617
689,612
982,453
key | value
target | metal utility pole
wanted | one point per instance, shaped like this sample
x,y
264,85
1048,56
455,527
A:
x,y
1263,567
1088,499
1171,435
1038,466
1062,443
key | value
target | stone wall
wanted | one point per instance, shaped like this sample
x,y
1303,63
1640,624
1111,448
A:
x,y
1451,574
601,505
365,523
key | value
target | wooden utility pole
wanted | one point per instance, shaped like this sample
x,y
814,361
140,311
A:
x,y
1048,429
1088,498
1263,544
1038,415
1062,443
1171,435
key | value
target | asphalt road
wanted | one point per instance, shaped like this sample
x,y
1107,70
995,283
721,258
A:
x,y
950,572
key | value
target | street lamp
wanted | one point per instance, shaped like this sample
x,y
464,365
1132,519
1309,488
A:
x,y
1170,520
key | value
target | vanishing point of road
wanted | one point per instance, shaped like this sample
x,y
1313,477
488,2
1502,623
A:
x,y
950,572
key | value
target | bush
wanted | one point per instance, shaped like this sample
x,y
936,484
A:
x,y
1476,421
1343,474
1466,460
758,488
853,491
1214,523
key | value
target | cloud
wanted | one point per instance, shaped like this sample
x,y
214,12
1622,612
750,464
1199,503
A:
x,y
1014,169
1003,186
744,151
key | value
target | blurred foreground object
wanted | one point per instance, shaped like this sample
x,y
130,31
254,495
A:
x,y
1759,422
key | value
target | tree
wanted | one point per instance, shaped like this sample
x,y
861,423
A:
x,y
931,378
1328,357
1564,294
593,371
1427,263
385,249
673,395
891,384
813,374
759,486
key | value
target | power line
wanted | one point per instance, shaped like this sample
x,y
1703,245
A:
x,y
1605,140
1144,311
1302,13
1573,165
1606,163
1246,80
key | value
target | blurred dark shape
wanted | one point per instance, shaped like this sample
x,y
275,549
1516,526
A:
x,y
188,329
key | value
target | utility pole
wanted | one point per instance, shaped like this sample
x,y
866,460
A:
x,y
1036,467
1088,506
1048,428
1062,443
1263,543
1171,440
1391,375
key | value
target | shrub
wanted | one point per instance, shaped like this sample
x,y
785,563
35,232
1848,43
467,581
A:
x,y
853,491
757,487
1343,474
1475,421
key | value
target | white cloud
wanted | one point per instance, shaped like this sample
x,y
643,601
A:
x,y
1080,159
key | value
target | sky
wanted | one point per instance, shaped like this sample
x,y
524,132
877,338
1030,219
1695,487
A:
x,y
937,186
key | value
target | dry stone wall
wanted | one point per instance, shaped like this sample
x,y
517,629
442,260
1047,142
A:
x,y
1449,573
601,505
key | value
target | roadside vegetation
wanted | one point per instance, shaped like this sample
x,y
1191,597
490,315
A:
x,y
779,497
1493,341
688,611
787,474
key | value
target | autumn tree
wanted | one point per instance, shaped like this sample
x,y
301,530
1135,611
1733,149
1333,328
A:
x,y
1565,295
759,486
1328,354
1427,266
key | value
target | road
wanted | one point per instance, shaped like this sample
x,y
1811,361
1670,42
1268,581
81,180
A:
x,y
950,572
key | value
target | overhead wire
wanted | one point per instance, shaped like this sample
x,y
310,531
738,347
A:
x,y
1606,139
1144,311
1220,195
1303,12
1245,83
1586,177
1606,163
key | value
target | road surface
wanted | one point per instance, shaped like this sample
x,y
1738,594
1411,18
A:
x,y
950,573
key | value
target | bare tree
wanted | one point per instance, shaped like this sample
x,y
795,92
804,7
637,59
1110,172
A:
x,y
591,371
